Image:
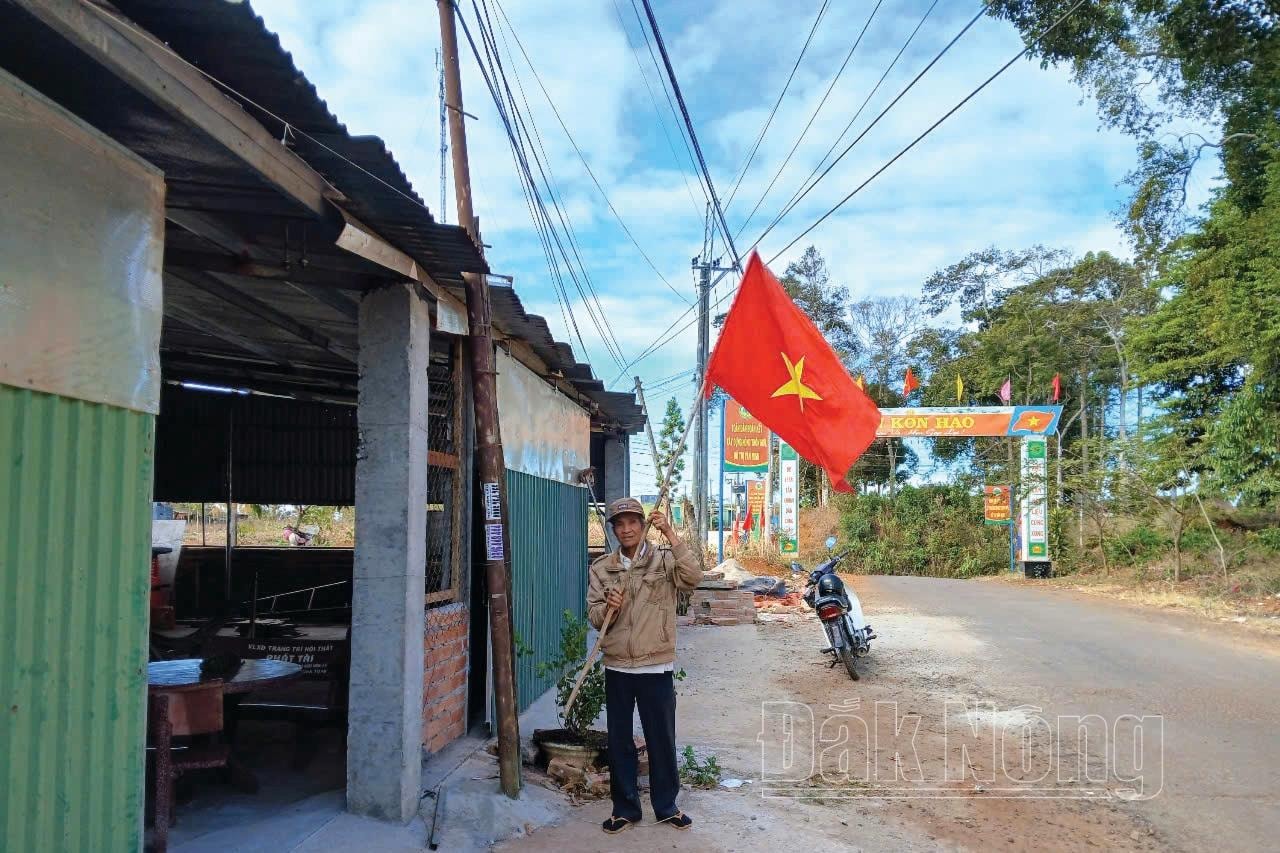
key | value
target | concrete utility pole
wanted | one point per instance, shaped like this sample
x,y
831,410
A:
x,y
705,266
489,460
648,426
700,412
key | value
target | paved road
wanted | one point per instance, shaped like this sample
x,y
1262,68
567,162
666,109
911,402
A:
x,y
1217,688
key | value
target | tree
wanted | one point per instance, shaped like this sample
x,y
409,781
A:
x,y
976,282
808,282
1156,66
668,441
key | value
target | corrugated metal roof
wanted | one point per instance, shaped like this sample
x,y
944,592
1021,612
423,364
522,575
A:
x,y
616,407
231,43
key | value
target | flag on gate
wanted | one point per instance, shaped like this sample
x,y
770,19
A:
x,y
774,362
959,389
1006,391
909,383
1057,387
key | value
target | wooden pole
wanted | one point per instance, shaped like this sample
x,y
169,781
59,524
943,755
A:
x,y
489,461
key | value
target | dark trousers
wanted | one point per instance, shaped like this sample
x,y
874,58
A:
x,y
655,695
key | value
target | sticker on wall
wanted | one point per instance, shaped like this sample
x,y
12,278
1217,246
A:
x,y
492,503
493,542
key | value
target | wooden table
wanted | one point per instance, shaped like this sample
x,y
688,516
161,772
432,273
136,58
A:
x,y
252,675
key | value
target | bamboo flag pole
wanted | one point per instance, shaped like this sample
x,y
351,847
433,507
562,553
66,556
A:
x,y
662,495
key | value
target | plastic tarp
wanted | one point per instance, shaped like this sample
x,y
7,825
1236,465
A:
x,y
81,248
544,433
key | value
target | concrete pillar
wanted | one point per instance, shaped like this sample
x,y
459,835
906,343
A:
x,y
617,468
384,731
617,475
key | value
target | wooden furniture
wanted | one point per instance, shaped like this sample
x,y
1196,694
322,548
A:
x,y
253,674
319,700
182,711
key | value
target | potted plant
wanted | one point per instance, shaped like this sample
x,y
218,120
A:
x,y
576,742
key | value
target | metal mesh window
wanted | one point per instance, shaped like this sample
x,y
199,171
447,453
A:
x,y
446,581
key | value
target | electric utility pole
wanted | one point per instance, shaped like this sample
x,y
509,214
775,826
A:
x,y
490,465
704,265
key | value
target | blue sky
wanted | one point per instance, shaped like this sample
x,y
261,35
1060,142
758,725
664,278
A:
x,y
1024,162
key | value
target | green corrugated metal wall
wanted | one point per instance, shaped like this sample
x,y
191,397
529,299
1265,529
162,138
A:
x,y
75,537
548,569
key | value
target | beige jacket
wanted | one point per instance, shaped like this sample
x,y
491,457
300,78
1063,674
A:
x,y
644,632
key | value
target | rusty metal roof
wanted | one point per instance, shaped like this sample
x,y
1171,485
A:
x,y
231,44
613,408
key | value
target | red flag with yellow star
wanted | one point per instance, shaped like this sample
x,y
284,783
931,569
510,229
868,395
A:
x,y
772,359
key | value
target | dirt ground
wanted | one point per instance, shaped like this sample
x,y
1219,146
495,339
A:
x,y
883,774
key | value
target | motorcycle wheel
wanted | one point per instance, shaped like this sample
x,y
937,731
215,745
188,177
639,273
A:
x,y
847,657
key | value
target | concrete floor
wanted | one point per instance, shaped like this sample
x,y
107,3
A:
x,y
303,811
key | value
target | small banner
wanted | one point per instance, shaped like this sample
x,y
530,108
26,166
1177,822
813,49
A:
x,y
755,505
997,506
1035,506
746,441
969,421
789,513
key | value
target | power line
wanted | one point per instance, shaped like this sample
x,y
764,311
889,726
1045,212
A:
x,y
1025,50
791,206
653,57
773,112
537,204
658,342
836,142
693,136
578,151
814,116
516,137
541,158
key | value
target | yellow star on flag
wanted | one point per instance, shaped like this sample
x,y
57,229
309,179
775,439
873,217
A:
x,y
1034,421
795,385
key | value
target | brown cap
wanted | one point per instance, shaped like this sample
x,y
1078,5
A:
x,y
624,505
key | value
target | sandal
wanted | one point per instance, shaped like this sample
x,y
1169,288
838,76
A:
x,y
679,820
614,825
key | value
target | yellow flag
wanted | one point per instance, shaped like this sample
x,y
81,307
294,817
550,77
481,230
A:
x,y
959,389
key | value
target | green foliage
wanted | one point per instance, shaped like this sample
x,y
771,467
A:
x,y
808,282
672,428
1137,546
1268,540
699,774
936,531
573,651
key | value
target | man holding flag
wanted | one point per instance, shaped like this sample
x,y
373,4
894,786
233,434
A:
x,y
774,361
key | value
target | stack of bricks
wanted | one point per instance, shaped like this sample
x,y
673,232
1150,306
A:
x,y
720,602
444,683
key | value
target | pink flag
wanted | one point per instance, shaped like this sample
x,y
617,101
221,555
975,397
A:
x,y
1006,391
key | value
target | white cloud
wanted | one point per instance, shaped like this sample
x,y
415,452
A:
x,y
1024,162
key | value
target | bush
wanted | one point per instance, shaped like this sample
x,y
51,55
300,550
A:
x,y
935,531
1138,545
573,652
1268,540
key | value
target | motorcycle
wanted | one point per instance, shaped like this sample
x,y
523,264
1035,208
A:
x,y
839,611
